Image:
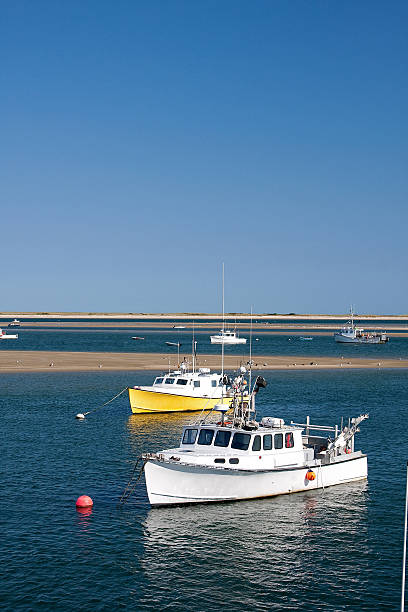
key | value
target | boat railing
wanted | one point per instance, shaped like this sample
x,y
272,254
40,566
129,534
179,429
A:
x,y
308,426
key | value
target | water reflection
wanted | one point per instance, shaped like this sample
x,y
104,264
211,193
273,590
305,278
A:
x,y
152,432
84,523
261,552
84,511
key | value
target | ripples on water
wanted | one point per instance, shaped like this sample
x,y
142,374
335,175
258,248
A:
x,y
337,550
120,340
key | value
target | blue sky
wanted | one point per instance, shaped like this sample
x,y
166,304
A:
x,y
145,143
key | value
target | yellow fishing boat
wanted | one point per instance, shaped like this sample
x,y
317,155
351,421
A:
x,y
182,391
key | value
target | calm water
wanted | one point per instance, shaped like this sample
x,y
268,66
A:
x,y
25,321
120,340
337,550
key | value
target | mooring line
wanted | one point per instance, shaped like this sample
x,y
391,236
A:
x,y
82,415
129,489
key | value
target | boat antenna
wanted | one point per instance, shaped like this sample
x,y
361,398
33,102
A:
x,y
250,352
223,326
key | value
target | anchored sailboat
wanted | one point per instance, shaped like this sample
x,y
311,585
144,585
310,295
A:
x,y
226,336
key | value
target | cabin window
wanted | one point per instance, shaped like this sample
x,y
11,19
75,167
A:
x,y
222,438
234,460
289,443
182,381
241,441
278,440
219,460
197,383
206,436
267,442
169,381
158,381
256,444
190,436
213,383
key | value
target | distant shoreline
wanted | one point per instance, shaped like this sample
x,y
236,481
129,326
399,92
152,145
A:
x,y
64,361
195,316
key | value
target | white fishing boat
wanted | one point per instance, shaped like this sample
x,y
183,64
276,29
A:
x,y
227,336
14,323
241,458
4,336
350,333
179,327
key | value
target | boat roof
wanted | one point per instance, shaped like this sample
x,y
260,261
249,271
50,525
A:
x,y
255,430
201,372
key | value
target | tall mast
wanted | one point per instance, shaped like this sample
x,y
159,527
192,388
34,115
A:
x,y
250,366
223,327
193,350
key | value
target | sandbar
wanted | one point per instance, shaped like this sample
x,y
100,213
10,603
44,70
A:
x,y
65,361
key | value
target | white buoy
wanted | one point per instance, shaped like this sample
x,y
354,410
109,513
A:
x,y
79,415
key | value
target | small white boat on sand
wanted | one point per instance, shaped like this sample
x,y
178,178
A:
x,y
4,336
241,458
14,323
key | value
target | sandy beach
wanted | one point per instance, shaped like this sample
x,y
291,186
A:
x,y
64,361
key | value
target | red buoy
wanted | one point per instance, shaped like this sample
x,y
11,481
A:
x,y
84,501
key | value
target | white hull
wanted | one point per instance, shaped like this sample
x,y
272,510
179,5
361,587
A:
x,y
219,340
9,337
356,340
198,484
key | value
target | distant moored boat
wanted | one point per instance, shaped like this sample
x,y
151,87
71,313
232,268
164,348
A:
x,y
357,335
4,336
227,336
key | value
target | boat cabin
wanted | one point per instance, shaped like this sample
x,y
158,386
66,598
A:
x,y
235,448
272,442
262,439
201,383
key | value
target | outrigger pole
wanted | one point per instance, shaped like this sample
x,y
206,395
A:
x,y
193,350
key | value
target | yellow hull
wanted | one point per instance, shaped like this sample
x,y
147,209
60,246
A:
x,y
142,401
